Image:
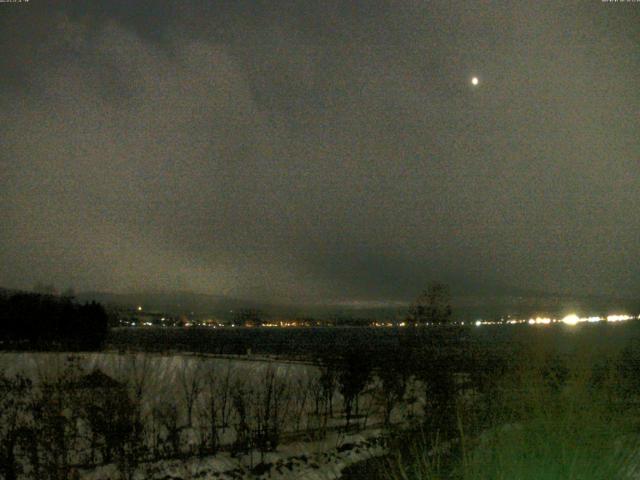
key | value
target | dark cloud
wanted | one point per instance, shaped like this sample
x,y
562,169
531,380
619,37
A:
x,y
320,150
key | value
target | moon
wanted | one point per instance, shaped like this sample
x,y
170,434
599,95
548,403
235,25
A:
x,y
475,81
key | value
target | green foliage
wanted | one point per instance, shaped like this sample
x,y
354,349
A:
x,y
560,428
551,417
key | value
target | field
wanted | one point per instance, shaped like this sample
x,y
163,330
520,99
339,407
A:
x,y
141,415
310,403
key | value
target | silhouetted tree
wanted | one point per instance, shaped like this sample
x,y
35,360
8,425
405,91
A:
x,y
33,320
56,409
393,372
329,365
433,306
240,394
165,414
92,326
354,374
190,379
439,359
15,395
249,317
109,413
268,407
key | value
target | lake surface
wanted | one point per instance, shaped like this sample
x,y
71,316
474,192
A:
x,y
305,342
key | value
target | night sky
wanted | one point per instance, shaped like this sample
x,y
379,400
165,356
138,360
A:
x,y
320,151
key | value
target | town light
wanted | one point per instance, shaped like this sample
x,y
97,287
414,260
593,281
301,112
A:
x,y
572,319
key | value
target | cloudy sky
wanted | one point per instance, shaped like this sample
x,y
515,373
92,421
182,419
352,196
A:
x,y
320,150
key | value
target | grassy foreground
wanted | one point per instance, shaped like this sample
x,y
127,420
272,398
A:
x,y
551,416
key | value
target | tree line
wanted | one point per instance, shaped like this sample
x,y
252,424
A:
x,y
66,420
44,321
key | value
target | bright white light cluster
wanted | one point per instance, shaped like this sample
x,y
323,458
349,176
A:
x,y
540,321
571,319
574,319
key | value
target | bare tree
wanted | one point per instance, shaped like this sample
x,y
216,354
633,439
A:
x,y
393,374
240,395
153,431
329,369
269,402
320,413
55,410
190,380
224,390
212,408
125,435
166,415
113,419
303,391
15,395
137,372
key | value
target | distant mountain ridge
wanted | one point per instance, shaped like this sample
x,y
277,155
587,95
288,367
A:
x,y
520,304
465,307
169,302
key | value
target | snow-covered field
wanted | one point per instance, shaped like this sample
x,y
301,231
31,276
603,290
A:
x,y
313,460
192,416
157,377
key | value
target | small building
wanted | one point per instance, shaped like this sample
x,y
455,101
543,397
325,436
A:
x,y
97,379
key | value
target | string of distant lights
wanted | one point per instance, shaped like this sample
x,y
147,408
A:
x,y
571,320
